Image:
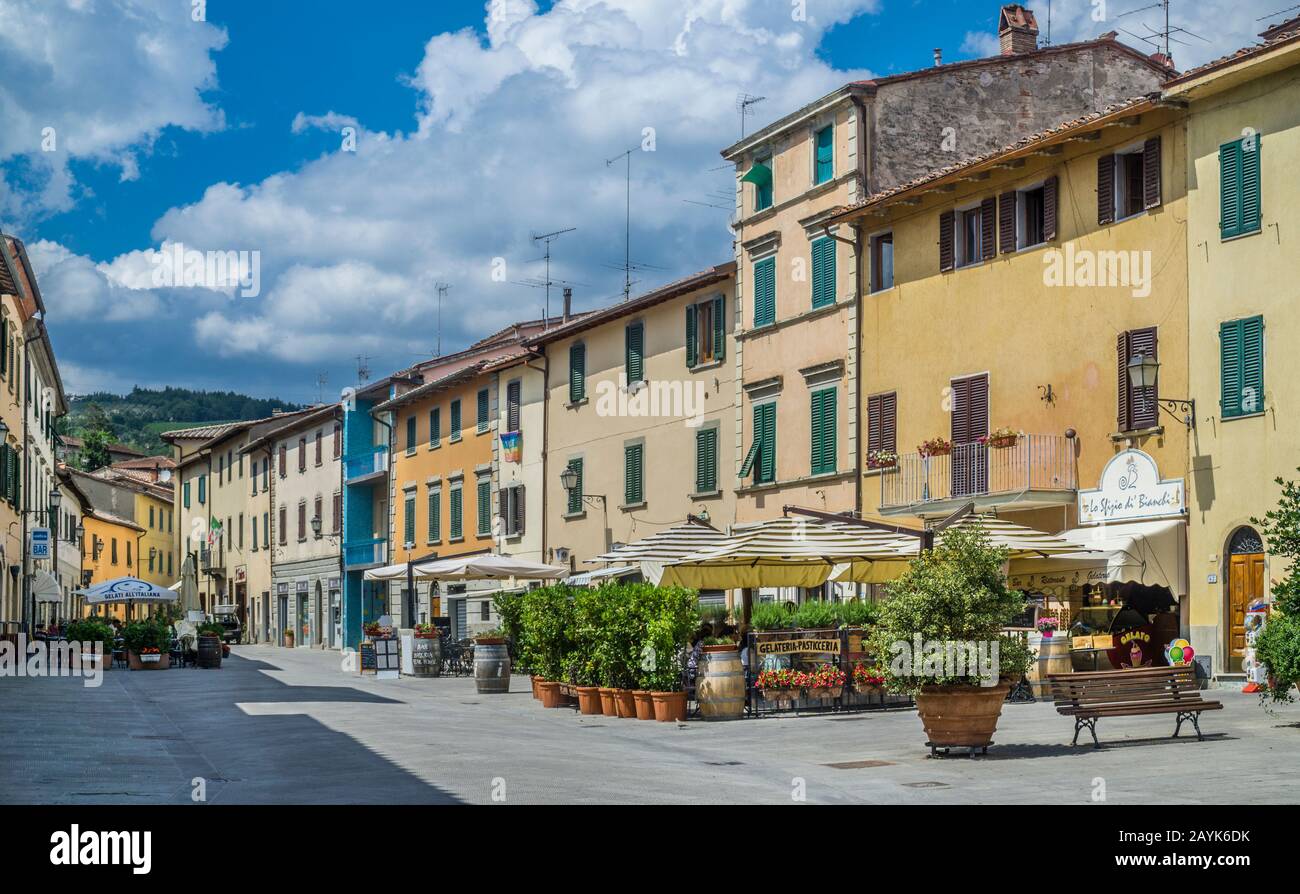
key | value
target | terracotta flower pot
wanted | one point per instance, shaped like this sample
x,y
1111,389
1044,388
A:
x,y
163,663
625,704
826,692
781,695
608,705
536,681
589,699
645,704
669,706
550,694
961,716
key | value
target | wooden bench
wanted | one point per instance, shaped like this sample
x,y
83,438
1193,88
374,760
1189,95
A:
x,y
1089,696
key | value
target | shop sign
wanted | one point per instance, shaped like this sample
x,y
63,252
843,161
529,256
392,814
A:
x,y
282,588
1131,489
819,645
1075,578
301,586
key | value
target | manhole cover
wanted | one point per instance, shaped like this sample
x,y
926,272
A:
x,y
858,765
925,785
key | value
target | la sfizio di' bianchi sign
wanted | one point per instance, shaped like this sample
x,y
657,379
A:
x,y
1131,488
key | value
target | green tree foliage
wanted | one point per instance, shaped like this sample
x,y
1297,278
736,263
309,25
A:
x,y
1281,529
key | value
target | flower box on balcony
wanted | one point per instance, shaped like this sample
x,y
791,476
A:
x,y
1001,439
935,447
878,460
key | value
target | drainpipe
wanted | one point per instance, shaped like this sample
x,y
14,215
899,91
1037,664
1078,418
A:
x,y
546,402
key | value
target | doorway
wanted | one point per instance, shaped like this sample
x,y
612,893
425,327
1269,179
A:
x,y
336,619
266,616
282,621
318,619
1246,565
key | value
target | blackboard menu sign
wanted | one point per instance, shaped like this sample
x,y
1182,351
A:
x,y
424,658
369,660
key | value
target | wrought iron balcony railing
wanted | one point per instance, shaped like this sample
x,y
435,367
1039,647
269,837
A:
x,y
1033,464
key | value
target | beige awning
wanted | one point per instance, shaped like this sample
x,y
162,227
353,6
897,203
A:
x,y
45,588
1152,553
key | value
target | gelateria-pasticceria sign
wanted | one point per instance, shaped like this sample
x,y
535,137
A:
x,y
821,645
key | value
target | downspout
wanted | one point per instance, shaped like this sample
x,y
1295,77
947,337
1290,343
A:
x,y
390,529
28,620
546,421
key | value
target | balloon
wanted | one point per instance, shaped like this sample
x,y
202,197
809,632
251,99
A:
x,y
1188,653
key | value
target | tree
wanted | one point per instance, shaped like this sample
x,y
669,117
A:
x,y
1281,529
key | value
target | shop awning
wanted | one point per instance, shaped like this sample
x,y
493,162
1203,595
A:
x,y
45,588
587,578
758,174
1153,553
487,566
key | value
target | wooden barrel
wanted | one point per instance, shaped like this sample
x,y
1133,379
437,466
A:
x,y
209,652
491,667
720,685
1053,658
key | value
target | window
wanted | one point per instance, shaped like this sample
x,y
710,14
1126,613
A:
x,y
266,529
1138,409
705,332
483,497
823,431
266,473
302,454
302,520
185,495
825,155
513,402
455,419
634,351
114,551
254,533
512,510
633,474
241,530
320,447
765,292
1128,179
882,423
706,460
1239,188
337,508
1129,182
338,440
435,515
435,426
410,433
151,560
485,610
882,262
456,508
577,372
408,521
1032,226
761,459
969,423
203,489
760,174
230,464
128,554
483,409
970,244
284,525
1241,369
221,467
575,495
284,460
823,272
169,565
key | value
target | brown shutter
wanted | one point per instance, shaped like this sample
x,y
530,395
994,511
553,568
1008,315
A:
x,y
889,422
979,407
1007,222
1151,172
519,509
1051,190
338,440
338,513
1125,389
284,453
284,525
960,411
1143,409
1106,190
988,228
874,419
947,222
320,445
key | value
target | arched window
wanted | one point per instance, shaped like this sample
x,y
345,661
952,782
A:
x,y
1245,542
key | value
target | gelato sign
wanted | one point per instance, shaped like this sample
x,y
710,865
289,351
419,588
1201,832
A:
x,y
1131,489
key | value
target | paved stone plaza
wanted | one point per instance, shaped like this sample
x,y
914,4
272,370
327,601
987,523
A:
x,y
282,726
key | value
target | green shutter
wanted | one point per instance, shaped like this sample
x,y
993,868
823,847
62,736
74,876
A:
x,y
692,353
825,154
455,420
484,507
1239,187
435,426
1250,187
408,528
203,489
706,460
1241,367
410,432
575,495
823,264
577,372
767,458
185,495
435,516
483,409
719,328
752,456
457,526
4,471
765,292
633,485
635,344
823,431
4,354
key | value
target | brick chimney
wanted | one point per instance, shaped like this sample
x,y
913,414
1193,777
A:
x,y
1017,30
568,303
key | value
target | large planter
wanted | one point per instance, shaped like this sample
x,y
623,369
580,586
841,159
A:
x,y
645,704
669,706
781,695
210,652
588,700
135,663
608,705
625,704
961,716
288,640
103,661
825,693
536,681
491,667
550,694
720,684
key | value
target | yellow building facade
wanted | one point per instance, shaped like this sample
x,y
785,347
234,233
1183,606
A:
x,y
110,550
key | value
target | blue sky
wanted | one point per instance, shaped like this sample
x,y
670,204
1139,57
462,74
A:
x,y
478,125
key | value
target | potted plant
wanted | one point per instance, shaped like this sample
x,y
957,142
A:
x,y
427,631
548,618
288,637
666,617
882,459
935,447
148,644
1278,645
89,632
779,685
1047,626
1002,438
210,651
770,616
825,683
817,614
868,679
952,603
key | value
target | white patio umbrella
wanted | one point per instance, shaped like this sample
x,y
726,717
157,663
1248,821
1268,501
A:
x,y
488,566
127,591
673,544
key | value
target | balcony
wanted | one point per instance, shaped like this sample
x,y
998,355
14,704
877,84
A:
x,y
358,468
1039,470
365,554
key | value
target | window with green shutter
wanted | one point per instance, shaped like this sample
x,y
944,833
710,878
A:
x,y
203,489
410,433
634,339
761,459
456,507
435,426
760,174
483,408
408,522
1241,367
435,515
575,495
823,272
706,460
185,495
692,336
823,431
706,331
455,419
825,155
1239,187
765,292
633,474
484,507
577,372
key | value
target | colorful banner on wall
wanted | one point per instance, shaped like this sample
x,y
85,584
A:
x,y
512,447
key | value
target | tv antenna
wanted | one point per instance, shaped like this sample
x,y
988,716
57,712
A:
x,y
443,288
322,379
627,235
1273,15
1048,42
744,102
1154,36
363,368
547,239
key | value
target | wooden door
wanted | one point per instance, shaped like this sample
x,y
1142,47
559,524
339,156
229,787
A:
x,y
1245,586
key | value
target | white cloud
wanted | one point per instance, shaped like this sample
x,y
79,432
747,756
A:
x,y
981,43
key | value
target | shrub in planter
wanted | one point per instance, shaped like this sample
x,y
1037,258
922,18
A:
x,y
548,620
859,614
817,615
1278,646
149,637
771,616
951,602
510,608
90,631
669,615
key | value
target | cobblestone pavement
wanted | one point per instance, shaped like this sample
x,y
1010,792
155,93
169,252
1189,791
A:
x,y
288,726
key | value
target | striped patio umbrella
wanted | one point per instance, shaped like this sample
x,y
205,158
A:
x,y
790,552
670,545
